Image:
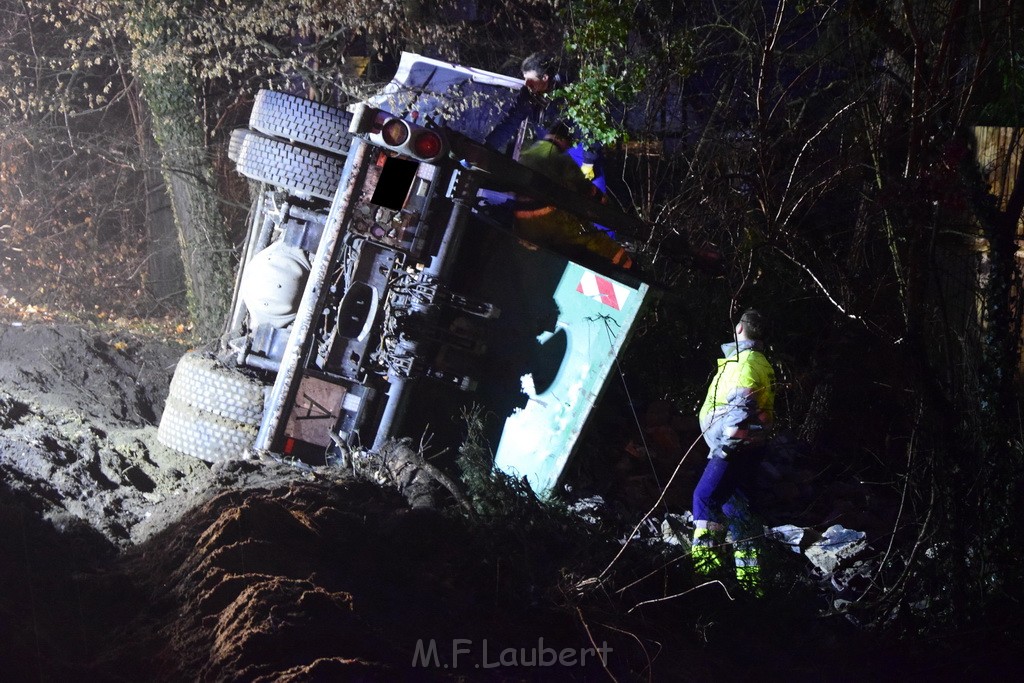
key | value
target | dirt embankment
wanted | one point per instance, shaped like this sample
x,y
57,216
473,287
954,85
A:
x,y
125,561
84,488
78,411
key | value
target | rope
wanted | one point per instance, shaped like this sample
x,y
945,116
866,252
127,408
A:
x,y
632,409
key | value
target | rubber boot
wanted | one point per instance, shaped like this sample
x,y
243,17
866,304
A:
x,y
706,550
748,569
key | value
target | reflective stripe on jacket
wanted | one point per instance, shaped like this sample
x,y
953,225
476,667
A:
x,y
542,223
739,409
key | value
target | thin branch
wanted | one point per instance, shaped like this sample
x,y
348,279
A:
x,y
654,507
679,595
590,636
824,290
803,149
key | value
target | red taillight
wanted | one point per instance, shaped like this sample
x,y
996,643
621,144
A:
x,y
407,138
427,144
394,132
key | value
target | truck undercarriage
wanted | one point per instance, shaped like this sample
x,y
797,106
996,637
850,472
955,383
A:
x,y
382,290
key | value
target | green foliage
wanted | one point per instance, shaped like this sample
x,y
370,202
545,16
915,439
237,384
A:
x,y
539,545
599,38
627,55
492,493
1003,101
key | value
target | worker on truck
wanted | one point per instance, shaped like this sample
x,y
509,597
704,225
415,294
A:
x,y
542,111
534,104
538,221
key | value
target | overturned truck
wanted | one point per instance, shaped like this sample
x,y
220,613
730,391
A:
x,y
382,291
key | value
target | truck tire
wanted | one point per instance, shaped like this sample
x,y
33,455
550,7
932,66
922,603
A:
x,y
301,172
200,380
301,120
212,412
235,143
190,431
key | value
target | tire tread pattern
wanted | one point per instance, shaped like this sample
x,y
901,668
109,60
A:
x,y
301,120
212,412
302,172
202,435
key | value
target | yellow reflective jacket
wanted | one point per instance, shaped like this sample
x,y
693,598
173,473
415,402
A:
x,y
739,409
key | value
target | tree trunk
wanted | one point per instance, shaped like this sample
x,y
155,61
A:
x,y
165,274
188,175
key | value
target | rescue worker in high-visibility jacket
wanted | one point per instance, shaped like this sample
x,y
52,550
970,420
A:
x,y
736,418
539,222
537,106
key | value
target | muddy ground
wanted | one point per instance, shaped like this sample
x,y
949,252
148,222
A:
x,y
123,561
78,416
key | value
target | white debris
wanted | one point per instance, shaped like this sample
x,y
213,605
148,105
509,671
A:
x,y
836,545
789,535
589,509
675,529
826,551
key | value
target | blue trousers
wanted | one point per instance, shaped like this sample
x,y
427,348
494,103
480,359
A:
x,y
718,496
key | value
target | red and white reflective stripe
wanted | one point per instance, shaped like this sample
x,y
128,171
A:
x,y
603,290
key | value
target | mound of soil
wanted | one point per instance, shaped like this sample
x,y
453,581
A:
x,y
126,561
78,416
83,481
